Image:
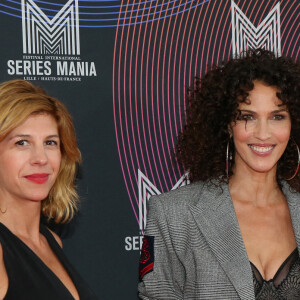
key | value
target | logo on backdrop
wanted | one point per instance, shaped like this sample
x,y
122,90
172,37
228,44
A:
x,y
42,35
51,45
146,190
245,35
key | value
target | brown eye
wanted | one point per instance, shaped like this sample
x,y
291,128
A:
x,y
246,117
51,143
22,143
278,117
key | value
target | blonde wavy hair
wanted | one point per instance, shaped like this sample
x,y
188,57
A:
x,y
18,100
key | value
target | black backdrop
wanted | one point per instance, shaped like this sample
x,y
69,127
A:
x,y
128,104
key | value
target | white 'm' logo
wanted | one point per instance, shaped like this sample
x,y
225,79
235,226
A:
x,y
147,189
59,35
245,35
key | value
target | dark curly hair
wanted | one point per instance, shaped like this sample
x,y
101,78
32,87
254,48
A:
x,y
212,104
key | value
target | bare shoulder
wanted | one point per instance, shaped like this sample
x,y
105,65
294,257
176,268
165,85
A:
x,y
3,276
1,261
57,238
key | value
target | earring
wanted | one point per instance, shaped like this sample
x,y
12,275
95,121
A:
x,y
228,158
298,164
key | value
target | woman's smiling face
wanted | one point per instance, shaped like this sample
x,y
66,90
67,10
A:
x,y
30,159
262,130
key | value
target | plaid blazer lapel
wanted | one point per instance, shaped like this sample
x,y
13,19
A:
x,y
293,200
215,217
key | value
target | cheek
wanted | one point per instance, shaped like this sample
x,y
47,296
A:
x,y
240,134
55,159
283,135
13,164
11,171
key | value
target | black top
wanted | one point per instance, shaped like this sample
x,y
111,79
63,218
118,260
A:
x,y
284,286
29,278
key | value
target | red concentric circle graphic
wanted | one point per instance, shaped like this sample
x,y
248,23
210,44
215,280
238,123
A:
x,y
156,57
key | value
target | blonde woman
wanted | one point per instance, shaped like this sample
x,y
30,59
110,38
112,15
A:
x,y
38,157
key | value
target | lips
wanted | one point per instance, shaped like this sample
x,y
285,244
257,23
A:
x,y
38,177
262,149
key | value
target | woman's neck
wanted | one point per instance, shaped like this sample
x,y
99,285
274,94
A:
x,y
21,217
261,189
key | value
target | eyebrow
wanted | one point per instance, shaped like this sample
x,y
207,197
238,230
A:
x,y
273,112
28,135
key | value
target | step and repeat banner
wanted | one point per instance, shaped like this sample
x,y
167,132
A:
x,y
122,68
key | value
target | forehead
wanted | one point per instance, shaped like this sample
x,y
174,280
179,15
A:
x,y
263,97
37,124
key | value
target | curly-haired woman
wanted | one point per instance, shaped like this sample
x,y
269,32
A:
x,y
234,233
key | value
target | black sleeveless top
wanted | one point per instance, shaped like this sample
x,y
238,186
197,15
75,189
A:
x,y
285,284
29,278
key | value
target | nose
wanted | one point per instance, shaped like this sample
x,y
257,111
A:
x,y
39,156
262,130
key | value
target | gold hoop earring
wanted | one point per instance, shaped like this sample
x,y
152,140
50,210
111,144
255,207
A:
x,y
298,164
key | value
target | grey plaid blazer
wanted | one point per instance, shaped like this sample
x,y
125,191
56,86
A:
x,y
198,248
